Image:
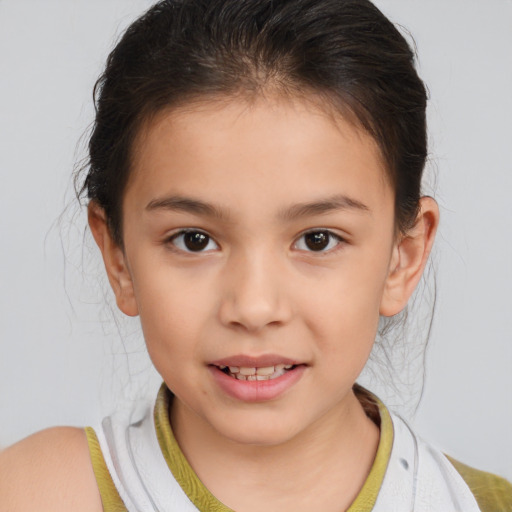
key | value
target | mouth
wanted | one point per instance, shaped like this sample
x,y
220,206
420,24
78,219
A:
x,y
256,378
261,373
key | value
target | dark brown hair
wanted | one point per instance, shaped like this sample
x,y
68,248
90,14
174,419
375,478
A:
x,y
345,51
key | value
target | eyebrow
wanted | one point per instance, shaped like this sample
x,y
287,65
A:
x,y
331,204
188,205
198,207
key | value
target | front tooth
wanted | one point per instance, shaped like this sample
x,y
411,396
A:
x,y
288,366
261,377
279,367
239,376
266,370
252,377
234,369
247,371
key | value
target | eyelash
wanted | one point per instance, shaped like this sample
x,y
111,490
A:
x,y
207,239
176,236
331,236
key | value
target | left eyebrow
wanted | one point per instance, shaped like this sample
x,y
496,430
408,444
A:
x,y
331,204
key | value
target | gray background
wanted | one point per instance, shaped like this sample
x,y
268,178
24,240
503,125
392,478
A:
x,y
61,357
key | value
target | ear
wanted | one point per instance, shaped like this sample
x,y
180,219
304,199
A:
x,y
114,258
409,258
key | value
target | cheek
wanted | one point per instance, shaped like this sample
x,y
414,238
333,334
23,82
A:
x,y
174,312
349,295
343,308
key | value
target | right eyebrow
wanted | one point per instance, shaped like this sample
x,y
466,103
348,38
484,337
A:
x,y
187,205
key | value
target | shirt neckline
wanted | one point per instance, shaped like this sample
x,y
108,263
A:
x,y
203,499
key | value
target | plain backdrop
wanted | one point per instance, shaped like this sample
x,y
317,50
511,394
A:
x,y
65,359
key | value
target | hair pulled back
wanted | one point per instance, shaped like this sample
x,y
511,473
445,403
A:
x,y
345,51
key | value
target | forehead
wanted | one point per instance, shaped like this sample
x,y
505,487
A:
x,y
267,151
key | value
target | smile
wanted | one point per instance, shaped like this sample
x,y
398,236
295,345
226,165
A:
x,y
256,379
256,373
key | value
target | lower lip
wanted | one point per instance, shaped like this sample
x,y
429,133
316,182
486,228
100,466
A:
x,y
257,390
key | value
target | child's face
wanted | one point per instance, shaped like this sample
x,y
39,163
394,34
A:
x,y
248,286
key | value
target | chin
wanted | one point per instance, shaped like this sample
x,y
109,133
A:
x,y
258,432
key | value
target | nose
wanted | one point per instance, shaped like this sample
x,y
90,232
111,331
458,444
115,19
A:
x,y
254,293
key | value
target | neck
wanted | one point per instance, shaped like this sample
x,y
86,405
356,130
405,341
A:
x,y
331,459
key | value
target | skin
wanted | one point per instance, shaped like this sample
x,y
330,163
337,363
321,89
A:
x,y
49,471
258,289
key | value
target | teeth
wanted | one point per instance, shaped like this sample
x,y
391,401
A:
x,y
248,371
279,371
267,370
257,374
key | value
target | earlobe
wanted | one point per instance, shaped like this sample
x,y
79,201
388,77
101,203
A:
x,y
114,259
409,258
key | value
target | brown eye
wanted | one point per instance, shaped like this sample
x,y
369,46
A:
x,y
193,241
318,241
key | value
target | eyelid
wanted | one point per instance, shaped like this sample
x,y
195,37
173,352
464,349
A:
x,y
170,239
340,240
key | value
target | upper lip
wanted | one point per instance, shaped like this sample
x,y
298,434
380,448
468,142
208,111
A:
x,y
247,361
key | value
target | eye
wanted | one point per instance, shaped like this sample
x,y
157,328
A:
x,y
193,241
321,240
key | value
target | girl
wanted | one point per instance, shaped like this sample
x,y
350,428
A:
x,y
254,188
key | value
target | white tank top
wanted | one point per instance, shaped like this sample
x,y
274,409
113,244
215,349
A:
x,y
418,478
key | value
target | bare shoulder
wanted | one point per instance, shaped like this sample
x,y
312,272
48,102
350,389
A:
x,y
50,470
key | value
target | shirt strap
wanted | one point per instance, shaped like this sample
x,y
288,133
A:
x,y
110,498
